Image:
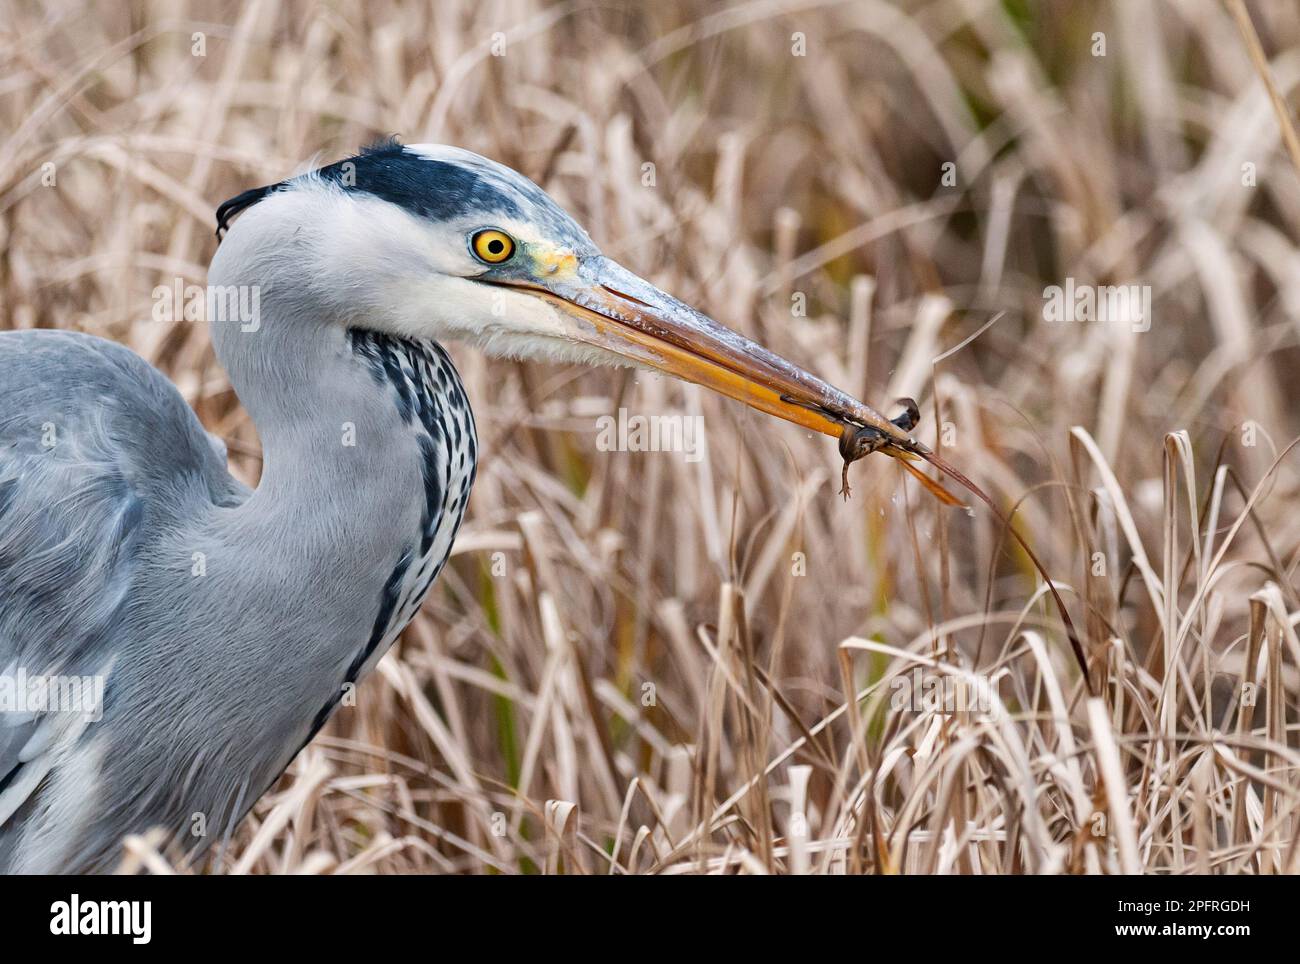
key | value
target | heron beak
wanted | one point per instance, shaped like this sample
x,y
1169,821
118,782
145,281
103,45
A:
x,y
621,313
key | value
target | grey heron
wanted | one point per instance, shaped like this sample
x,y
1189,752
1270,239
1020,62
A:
x,y
216,675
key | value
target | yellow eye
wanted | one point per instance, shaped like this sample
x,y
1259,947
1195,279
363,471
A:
x,y
492,246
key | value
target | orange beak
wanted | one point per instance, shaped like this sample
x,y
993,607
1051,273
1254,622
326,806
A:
x,y
621,313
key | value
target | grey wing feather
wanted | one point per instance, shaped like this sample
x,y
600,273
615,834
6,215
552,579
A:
x,y
97,452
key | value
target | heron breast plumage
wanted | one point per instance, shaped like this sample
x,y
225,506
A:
x,y
427,390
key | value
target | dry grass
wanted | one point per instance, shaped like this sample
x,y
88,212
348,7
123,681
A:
x,y
636,664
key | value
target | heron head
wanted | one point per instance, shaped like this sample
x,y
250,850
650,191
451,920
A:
x,y
436,242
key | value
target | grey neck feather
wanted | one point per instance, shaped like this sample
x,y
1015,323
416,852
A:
x,y
341,478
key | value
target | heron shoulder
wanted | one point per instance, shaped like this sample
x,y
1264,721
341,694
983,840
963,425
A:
x,y
70,399
99,454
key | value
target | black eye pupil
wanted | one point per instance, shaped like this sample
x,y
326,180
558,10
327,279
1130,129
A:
x,y
495,246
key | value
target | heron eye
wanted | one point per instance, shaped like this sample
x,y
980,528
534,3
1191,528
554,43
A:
x,y
492,246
